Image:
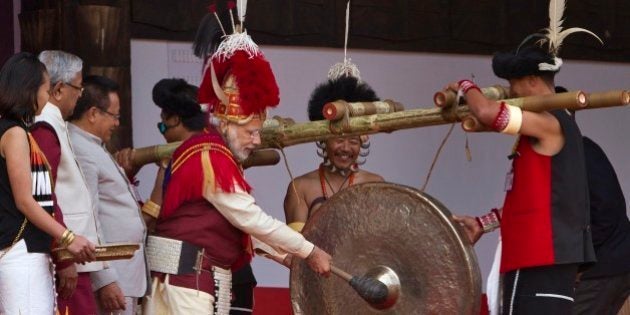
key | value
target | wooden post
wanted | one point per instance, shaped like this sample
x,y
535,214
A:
x,y
98,31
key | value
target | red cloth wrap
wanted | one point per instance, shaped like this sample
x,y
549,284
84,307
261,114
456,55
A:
x,y
199,223
187,215
186,183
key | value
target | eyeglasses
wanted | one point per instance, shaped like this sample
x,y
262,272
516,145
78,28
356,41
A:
x,y
115,116
78,88
253,134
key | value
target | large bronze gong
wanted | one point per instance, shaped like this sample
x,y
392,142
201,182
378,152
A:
x,y
399,235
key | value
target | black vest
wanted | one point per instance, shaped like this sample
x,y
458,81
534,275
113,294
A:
x,y
11,218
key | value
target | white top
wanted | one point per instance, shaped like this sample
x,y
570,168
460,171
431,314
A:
x,y
241,210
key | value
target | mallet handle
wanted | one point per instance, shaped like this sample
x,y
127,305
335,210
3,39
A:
x,y
340,273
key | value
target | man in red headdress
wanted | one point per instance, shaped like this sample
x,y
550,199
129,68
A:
x,y
207,215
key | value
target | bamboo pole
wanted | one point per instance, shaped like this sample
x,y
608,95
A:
x,y
448,98
594,100
280,132
277,135
152,154
339,109
155,153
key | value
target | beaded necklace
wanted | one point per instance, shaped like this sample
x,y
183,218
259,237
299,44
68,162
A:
x,y
323,180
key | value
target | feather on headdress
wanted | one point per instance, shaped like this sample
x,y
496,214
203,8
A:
x,y
535,60
238,83
554,35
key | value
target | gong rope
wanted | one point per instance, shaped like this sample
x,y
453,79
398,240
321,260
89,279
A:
x,y
435,158
286,164
439,151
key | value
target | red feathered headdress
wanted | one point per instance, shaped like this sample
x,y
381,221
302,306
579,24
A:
x,y
248,84
238,83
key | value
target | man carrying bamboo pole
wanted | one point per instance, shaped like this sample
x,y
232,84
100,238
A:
x,y
544,221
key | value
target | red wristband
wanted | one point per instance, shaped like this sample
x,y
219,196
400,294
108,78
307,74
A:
x,y
502,119
496,212
467,85
489,222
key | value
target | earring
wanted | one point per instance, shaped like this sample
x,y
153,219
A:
x,y
365,145
321,150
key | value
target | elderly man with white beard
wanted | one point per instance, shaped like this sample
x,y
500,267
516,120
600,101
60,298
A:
x,y
207,213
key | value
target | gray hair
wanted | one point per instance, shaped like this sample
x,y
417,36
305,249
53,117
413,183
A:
x,y
214,121
61,66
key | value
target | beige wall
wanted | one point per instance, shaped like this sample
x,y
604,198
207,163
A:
x,y
401,157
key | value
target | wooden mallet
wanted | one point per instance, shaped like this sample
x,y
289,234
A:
x,y
371,290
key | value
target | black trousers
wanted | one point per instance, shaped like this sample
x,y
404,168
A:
x,y
243,284
544,290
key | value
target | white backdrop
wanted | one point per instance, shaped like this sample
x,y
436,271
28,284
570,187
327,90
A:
x,y
401,157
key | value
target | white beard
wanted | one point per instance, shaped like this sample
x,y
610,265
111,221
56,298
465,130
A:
x,y
236,149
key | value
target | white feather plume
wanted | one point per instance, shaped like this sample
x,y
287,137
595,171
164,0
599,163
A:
x,y
241,7
554,33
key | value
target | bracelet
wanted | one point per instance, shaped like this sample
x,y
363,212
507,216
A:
x,y
66,238
297,226
489,222
502,119
467,85
151,208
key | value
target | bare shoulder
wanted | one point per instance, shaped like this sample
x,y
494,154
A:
x,y
12,139
307,177
304,182
364,176
12,134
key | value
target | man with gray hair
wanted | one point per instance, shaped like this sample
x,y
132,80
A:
x,y
73,198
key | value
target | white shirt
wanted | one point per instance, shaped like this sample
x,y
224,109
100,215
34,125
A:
x,y
240,209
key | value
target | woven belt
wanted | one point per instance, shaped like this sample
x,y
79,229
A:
x,y
222,290
172,256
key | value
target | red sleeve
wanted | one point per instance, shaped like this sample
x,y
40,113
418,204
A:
x,y
48,142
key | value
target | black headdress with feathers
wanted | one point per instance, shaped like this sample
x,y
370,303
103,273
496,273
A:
x,y
176,96
522,62
346,88
210,32
542,56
